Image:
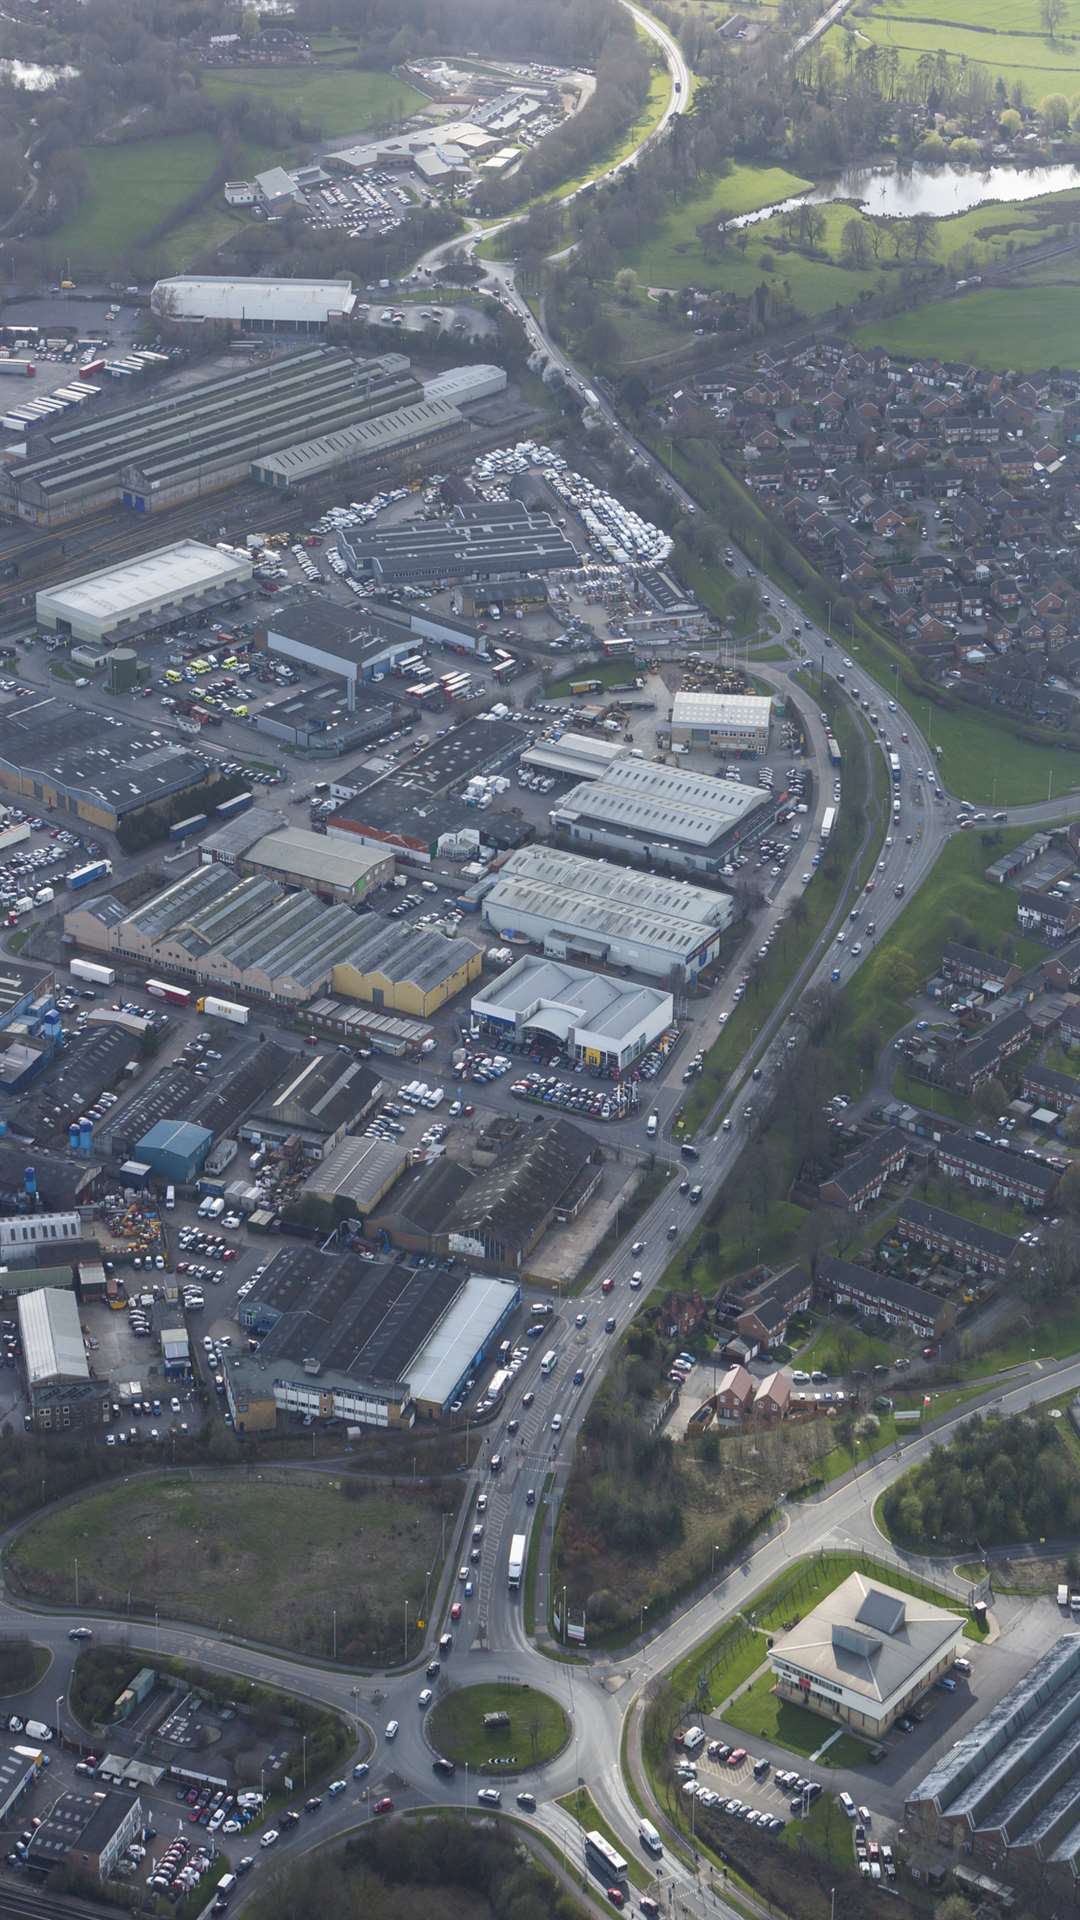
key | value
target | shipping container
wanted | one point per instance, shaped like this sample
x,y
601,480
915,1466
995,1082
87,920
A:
x,y
90,368
98,976
239,803
18,369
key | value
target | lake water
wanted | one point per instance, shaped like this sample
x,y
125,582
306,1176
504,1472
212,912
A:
x,y
34,79
900,192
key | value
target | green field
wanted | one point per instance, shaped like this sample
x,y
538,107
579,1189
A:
x,y
335,103
538,1730
760,1712
953,899
132,188
1002,38
209,1549
998,329
666,257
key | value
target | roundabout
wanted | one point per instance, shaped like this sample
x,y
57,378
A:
x,y
498,1728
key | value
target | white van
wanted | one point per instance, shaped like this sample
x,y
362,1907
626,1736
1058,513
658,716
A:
x,y
649,1837
651,1126
37,1730
170,1199
692,1739
549,1361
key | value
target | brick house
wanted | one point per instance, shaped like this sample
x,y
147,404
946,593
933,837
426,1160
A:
x,y
863,1179
886,1297
949,1233
734,1394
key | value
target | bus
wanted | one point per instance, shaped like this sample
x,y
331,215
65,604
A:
x,y
613,648
506,665
894,768
423,690
602,1859
408,669
828,822
164,990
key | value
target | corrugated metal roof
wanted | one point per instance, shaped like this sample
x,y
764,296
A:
x,y
52,1341
219,296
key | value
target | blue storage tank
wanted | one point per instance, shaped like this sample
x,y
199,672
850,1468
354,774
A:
x,y
73,1137
86,1135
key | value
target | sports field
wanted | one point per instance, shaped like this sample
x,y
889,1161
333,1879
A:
x,y
1005,37
336,103
995,328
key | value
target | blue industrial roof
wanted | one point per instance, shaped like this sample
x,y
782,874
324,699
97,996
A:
x,y
173,1136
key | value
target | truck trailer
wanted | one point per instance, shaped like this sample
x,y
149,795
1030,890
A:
x,y
89,970
517,1562
84,876
224,1009
18,369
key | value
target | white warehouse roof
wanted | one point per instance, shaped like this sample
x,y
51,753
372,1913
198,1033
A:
x,y
566,1000
218,296
464,1330
659,804
459,385
133,587
52,1341
605,902
721,710
576,753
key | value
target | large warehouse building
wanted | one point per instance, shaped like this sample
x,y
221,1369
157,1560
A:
x,y
591,910
252,306
473,543
414,972
48,755
195,439
334,869
1008,1791
364,1342
663,816
730,722
61,1391
865,1654
421,423
603,1022
120,602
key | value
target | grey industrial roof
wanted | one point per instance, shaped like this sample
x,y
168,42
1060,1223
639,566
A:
x,y
337,1316
221,296
117,762
512,1199
661,803
338,863
319,1092
721,710
363,440
424,959
868,1637
458,383
584,755
968,1777
606,1006
235,836
358,1169
601,898
508,537
459,1336
51,1335
167,573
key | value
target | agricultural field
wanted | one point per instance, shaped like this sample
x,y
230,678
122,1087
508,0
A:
x,y
336,103
208,1549
995,328
132,189
1006,37
670,256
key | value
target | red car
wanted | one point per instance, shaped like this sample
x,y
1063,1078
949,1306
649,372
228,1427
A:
x,y
385,1805
455,1611
616,1896
735,1757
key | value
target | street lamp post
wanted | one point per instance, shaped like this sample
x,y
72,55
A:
x,y
715,1551
405,1642
59,1715
641,1620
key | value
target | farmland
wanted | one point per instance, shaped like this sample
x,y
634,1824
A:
x,y
1003,38
664,258
132,188
994,328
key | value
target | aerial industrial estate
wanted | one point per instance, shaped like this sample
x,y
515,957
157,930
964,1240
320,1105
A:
x,y
540,975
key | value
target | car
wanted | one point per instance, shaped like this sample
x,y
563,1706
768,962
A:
x,y
489,1797
527,1800
556,1423
391,1730
80,1633
361,1770
527,1399
455,1611
272,1835
848,1805
424,1697
616,1896
735,1757
385,1805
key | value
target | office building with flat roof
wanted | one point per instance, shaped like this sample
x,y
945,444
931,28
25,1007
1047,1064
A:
x,y
730,722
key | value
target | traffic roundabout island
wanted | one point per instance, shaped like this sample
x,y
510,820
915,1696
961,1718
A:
x,y
498,1727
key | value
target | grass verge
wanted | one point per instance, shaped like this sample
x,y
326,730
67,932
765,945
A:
x,y
538,1730
761,1713
532,1558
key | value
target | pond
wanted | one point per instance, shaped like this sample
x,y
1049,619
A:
x,y
899,192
